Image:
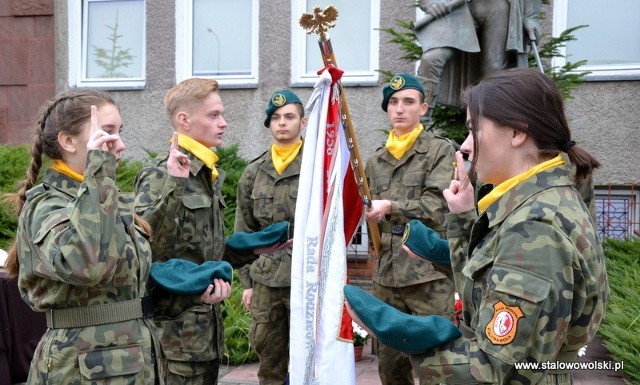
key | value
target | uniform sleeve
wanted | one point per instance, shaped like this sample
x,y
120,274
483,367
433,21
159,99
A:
x,y
430,206
158,201
458,234
71,241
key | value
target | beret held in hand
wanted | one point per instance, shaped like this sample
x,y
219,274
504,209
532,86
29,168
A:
x,y
271,235
426,243
180,276
412,334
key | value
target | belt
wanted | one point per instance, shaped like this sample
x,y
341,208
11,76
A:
x,y
83,316
388,228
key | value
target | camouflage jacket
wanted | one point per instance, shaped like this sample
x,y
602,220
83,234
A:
x,y
264,197
186,218
531,274
414,185
78,246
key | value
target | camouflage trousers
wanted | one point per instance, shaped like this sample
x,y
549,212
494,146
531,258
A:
x,y
191,373
269,334
433,297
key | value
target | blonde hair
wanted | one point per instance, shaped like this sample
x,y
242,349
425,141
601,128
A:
x,y
188,94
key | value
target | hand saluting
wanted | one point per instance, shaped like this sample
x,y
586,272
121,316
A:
x,y
98,138
460,196
178,163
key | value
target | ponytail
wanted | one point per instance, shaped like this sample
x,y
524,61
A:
x,y
584,162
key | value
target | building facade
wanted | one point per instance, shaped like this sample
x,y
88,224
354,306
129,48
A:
x,y
138,49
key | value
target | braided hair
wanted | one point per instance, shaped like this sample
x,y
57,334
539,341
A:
x,y
67,113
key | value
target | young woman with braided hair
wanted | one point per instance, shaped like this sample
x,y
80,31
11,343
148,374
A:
x,y
81,255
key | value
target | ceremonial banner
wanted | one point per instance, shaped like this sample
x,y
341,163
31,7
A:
x,y
319,353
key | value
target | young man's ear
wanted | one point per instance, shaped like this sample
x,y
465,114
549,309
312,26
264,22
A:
x,y
183,120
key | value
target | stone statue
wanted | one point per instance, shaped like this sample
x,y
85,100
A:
x,y
462,40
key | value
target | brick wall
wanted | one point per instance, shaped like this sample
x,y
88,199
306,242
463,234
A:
x,y
27,65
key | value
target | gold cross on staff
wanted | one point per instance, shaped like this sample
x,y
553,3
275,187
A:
x,y
320,21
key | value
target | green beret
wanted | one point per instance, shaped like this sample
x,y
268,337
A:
x,y
397,83
412,334
180,276
271,235
279,99
424,241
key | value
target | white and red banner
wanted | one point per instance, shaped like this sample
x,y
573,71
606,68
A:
x,y
321,351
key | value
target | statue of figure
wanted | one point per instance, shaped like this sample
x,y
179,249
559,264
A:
x,y
463,40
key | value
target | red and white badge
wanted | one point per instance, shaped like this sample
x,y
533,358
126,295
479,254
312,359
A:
x,y
502,328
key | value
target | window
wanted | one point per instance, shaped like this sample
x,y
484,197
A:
x,y
358,249
610,43
355,40
617,213
218,39
107,44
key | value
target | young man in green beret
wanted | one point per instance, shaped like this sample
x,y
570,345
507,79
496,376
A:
x,y
267,193
406,178
179,194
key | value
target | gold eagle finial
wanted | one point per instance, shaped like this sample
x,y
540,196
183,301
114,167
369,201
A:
x,y
320,20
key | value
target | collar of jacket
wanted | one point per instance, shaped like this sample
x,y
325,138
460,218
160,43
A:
x,y
514,198
293,169
419,147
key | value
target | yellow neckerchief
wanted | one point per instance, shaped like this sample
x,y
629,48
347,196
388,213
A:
x,y
283,155
208,157
62,168
510,183
398,145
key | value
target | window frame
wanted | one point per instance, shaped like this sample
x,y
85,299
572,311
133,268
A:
x,y
598,72
359,251
77,43
299,78
632,194
184,48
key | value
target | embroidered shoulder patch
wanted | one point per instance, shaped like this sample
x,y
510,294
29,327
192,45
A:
x,y
502,328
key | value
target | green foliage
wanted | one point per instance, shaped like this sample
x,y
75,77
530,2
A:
x,y
237,321
566,77
126,174
621,326
13,169
407,41
233,165
450,120
113,58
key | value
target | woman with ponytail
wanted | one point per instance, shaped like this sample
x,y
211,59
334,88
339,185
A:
x,y
80,254
526,260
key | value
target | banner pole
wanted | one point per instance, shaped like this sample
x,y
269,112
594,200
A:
x,y
319,22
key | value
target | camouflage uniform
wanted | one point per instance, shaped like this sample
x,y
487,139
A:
x,y
186,218
533,256
79,247
414,185
264,197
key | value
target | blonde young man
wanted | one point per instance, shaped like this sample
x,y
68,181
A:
x,y
180,196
